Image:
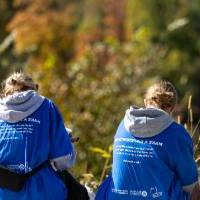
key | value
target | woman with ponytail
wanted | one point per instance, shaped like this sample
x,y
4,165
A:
x,y
152,155
32,135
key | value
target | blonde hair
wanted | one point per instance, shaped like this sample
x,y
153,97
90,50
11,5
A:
x,y
18,82
162,95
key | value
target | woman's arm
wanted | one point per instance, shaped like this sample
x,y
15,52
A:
x,y
62,153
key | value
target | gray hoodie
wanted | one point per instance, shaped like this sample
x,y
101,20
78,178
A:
x,y
146,122
19,105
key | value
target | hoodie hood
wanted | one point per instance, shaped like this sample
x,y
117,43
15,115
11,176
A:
x,y
146,122
19,105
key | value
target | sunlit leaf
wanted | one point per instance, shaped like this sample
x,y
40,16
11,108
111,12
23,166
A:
x,y
178,23
106,155
98,150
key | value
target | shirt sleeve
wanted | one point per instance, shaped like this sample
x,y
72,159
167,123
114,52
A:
x,y
61,148
185,165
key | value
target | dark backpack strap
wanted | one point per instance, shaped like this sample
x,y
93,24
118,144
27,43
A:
x,y
11,180
76,191
15,181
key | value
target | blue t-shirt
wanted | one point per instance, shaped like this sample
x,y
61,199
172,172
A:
x,y
24,145
151,168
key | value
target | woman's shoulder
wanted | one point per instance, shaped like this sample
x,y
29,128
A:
x,y
121,130
178,131
47,106
48,102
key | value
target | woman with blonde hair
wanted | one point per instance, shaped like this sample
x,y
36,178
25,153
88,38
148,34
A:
x,y
32,134
152,155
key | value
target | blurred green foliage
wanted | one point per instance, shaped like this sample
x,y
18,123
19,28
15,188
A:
x,y
96,58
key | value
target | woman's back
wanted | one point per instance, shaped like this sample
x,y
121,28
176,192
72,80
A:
x,y
31,132
144,166
152,154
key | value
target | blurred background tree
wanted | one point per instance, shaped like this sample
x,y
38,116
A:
x,y
96,58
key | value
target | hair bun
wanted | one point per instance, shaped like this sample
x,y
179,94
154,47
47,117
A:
x,y
18,82
162,94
